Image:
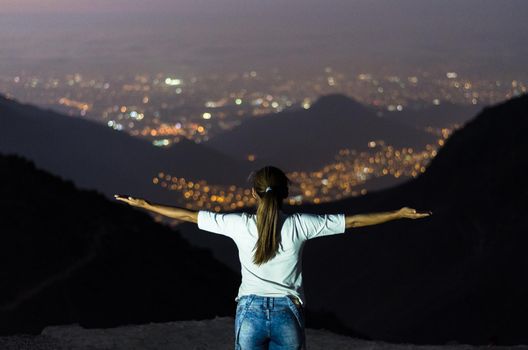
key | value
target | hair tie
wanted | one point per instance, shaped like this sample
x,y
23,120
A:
x,y
267,189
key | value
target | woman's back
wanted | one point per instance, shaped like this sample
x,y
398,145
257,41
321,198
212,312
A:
x,y
282,275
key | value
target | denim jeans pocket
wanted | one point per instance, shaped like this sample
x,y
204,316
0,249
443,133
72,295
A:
x,y
241,311
297,311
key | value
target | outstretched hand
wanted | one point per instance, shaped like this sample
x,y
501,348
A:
x,y
411,213
135,202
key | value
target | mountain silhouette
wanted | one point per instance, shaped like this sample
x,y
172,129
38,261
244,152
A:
x,y
337,103
307,140
96,156
456,276
73,256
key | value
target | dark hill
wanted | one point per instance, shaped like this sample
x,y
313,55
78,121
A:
x,y
72,256
337,102
309,139
458,275
95,156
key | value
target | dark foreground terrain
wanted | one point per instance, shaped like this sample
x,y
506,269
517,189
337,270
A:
x,y
214,334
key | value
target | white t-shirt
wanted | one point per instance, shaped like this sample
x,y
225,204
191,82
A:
x,y
281,275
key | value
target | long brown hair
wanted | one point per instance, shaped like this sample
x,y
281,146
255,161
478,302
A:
x,y
268,208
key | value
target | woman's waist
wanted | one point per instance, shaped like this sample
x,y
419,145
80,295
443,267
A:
x,y
270,301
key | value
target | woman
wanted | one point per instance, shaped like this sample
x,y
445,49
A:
x,y
270,309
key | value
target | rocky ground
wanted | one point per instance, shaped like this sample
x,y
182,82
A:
x,y
215,334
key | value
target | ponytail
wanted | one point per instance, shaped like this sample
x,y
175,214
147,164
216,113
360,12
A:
x,y
271,184
267,220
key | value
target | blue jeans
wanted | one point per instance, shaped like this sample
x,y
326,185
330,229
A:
x,y
273,323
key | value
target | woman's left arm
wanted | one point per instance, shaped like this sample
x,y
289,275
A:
x,y
359,220
169,211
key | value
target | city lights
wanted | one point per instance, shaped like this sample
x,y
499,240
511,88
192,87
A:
x,y
345,177
172,82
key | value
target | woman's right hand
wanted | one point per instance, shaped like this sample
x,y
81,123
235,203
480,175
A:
x,y
135,202
411,213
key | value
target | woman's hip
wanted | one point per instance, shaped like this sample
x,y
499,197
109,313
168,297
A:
x,y
275,319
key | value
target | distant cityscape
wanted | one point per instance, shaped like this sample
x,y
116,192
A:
x,y
165,108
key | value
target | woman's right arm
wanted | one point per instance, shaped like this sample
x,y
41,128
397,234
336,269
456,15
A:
x,y
381,217
167,210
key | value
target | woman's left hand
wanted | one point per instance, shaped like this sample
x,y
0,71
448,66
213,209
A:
x,y
135,202
411,213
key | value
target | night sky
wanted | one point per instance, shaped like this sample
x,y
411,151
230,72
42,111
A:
x,y
476,36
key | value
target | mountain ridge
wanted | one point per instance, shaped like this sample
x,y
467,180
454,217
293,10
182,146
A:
x,y
333,122
467,254
71,255
95,156
332,101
